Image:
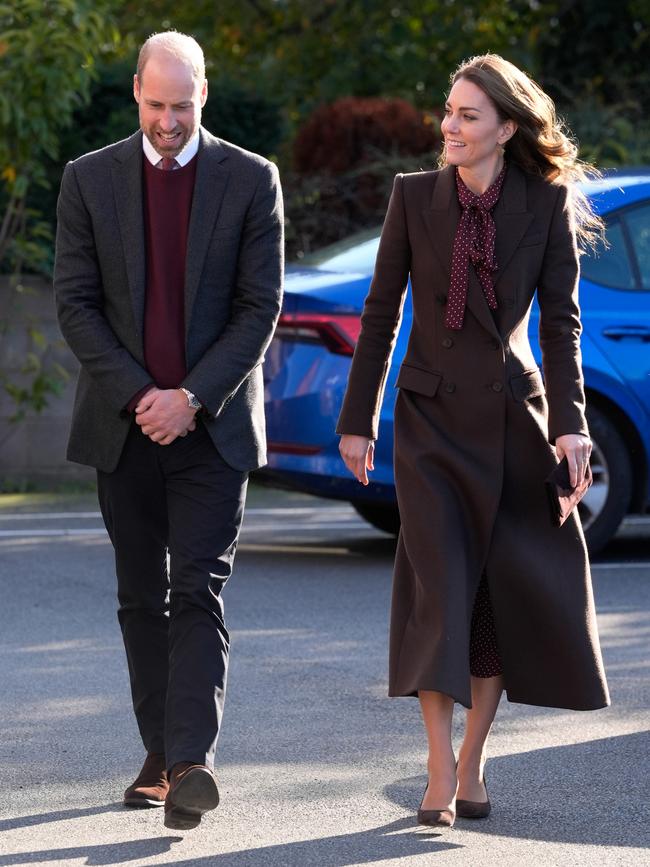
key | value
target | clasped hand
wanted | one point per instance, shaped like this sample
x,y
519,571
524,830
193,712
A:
x,y
164,414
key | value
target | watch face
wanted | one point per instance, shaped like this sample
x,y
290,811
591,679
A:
x,y
192,400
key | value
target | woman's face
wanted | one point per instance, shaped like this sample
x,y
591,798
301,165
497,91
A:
x,y
471,128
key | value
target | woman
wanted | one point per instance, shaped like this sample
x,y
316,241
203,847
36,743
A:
x,y
487,595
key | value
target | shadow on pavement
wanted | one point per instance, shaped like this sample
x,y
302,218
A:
x,y
373,846
568,794
58,816
111,853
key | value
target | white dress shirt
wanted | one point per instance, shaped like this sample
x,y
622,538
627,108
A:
x,y
182,159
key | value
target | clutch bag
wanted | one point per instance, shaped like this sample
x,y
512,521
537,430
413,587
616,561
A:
x,y
562,498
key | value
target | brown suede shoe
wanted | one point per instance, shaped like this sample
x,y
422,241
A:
x,y
151,786
474,809
192,792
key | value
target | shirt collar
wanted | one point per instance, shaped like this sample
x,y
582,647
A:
x,y
188,152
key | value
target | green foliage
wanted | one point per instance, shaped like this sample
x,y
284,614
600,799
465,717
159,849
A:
x,y
39,384
322,207
245,117
311,53
593,60
47,50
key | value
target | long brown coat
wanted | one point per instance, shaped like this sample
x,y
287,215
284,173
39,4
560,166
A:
x,y
474,423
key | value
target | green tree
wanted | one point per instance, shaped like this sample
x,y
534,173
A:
x,y
593,60
47,54
312,53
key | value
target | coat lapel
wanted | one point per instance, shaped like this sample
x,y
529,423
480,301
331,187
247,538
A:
x,y
442,216
511,217
127,191
441,220
209,187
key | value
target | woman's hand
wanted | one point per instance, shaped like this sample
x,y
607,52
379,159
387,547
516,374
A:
x,y
358,454
577,449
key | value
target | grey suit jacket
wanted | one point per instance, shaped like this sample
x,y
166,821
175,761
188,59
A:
x,y
233,293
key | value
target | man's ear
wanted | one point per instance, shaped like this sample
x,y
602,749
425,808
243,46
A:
x,y
136,88
204,92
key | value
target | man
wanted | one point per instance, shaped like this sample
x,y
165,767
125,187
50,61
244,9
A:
x,y
168,282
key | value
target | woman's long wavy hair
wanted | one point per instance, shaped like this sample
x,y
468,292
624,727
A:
x,y
541,145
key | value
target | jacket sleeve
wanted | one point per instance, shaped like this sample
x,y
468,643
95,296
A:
x,y
79,299
256,303
380,321
559,324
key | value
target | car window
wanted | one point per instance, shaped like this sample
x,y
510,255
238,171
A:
x,y
355,254
610,266
638,224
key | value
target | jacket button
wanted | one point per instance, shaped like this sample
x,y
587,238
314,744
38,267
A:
x,y
447,342
449,387
441,298
497,386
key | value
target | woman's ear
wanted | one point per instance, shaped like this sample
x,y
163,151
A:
x,y
508,129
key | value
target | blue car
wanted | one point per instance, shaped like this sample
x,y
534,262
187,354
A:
x,y
308,362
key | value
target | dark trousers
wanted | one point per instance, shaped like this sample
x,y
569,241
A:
x,y
173,514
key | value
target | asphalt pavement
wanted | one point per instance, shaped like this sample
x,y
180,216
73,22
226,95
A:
x,y
316,766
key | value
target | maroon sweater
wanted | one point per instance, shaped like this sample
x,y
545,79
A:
x,y
167,208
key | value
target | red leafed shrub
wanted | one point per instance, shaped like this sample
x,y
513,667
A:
x,y
351,132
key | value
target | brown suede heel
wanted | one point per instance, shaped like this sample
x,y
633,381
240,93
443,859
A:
x,y
192,792
474,809
435,818
150,787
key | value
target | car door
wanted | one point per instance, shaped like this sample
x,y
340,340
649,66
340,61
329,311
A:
x,y
615,293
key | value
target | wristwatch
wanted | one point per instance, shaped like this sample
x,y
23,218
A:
x,y
192,399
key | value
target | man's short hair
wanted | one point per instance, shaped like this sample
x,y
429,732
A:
x,y
179,45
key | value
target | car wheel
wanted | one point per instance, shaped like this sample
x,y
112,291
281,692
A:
x,y
608,499
383,516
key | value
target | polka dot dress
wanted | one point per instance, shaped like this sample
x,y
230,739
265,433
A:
x,y
484,658
474,242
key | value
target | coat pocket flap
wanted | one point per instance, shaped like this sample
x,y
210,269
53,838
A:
x,y
527,385
416,379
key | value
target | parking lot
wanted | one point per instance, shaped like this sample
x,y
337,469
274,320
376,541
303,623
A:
x,y
315,764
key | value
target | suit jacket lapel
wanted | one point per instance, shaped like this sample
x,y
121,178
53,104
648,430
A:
x,y
209,187
126,174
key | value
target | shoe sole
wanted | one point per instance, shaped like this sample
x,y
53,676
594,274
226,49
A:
x,y
142,803
194,795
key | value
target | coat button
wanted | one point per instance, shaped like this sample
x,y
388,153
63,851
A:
x,y
447,342
449,387
441,298
497,386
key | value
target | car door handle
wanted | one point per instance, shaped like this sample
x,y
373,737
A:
x,y
628,332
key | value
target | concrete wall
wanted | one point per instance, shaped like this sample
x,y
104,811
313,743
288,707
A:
x,y
33,451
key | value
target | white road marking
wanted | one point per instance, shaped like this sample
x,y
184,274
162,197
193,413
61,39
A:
x,y
302,510
48,516
349,524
